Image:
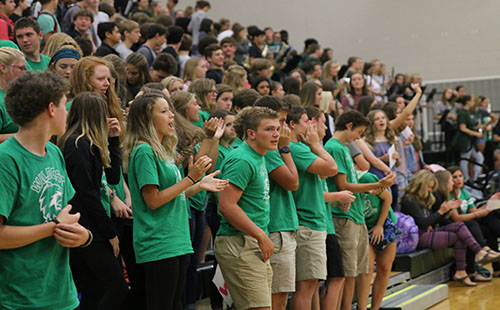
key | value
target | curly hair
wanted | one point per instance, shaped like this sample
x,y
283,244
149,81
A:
x,y
31,93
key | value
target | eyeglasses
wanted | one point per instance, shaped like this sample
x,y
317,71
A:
x,y
22,68
213,92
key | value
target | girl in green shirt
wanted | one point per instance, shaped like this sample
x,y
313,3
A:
x,y
159,192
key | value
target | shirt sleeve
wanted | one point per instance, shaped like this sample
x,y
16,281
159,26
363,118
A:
x,y
273,161
238,171
302,156
8,190
145,165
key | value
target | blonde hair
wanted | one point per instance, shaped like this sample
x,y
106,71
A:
x,y
56,41
141,130
233,77
325,75
418,188
87,117
308,94
326,99
9,55
168,81
200,88
189,68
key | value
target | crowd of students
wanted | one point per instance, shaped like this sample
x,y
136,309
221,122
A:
x,y
128,144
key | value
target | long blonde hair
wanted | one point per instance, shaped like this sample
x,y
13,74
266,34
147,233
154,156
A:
x,y
200,88
57,41
418,188
88,118
189,68
141,130
233,76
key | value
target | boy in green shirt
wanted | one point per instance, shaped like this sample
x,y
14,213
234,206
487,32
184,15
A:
x,y
242,246
313,163
28,35
283,222
350,225
36,227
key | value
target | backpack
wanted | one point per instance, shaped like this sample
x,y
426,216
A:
x,y
408,240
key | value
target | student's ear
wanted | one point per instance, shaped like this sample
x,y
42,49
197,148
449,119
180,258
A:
x,y
349,126
108,34
250,134
3,68
291,125
51,109
40,35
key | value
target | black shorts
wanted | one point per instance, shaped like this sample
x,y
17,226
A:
x,y
334,265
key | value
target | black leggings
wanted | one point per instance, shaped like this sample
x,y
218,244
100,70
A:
x,y
98,276
165,281
475,230
490,225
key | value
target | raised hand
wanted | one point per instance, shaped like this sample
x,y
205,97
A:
x,y
114,129
311,137
198,169
210,127
284,136
219,131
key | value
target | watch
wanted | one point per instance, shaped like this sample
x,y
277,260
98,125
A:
x,y
112,194
285,150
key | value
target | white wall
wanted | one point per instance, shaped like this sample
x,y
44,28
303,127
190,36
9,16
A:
x,y
440,39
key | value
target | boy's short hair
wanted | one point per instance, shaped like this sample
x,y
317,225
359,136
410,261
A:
x,y
250,118
260,64
204,42
153,29
355,117
201,4
84,13
166,20
174,34
209,50
270,102
228,40
103,28
85,45
295,113
313,112
187,42
128,25
220,114
166,63
245,98
29,95
26,22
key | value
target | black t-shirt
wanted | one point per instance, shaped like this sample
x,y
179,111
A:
x,y
255,51
215,74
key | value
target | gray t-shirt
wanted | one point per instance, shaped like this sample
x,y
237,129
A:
x,y
353,148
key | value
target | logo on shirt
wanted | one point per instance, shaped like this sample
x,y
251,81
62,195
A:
x,y
264,175
49,185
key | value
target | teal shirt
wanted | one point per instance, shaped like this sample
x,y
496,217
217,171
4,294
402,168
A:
x,y
373,204
6,123
164,232
204,116
309,198
42,65
48,23
33,190
283,211
345,165
246,169
330,229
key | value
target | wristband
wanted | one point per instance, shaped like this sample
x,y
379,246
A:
x,y
192,180
55,220
89,240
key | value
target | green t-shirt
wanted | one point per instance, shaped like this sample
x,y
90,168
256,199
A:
x,y
39,66
197,201
34,189
105,199
246,169
373,203
283,212
119,188
330,229
68,105
309,199
467,201
237,142
345,165
163,232
6,123
223,152
463,140
204,116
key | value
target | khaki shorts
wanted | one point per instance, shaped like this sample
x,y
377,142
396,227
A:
x,y
283,261
311,254
353,240
248,278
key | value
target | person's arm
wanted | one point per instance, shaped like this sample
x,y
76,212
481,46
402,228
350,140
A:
x,y
155,198
472,214
408,110
342,184
214,129
378,229
12,237
285,175
361,162
325,166
463,128
207,183
372,159
113,173
228,207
